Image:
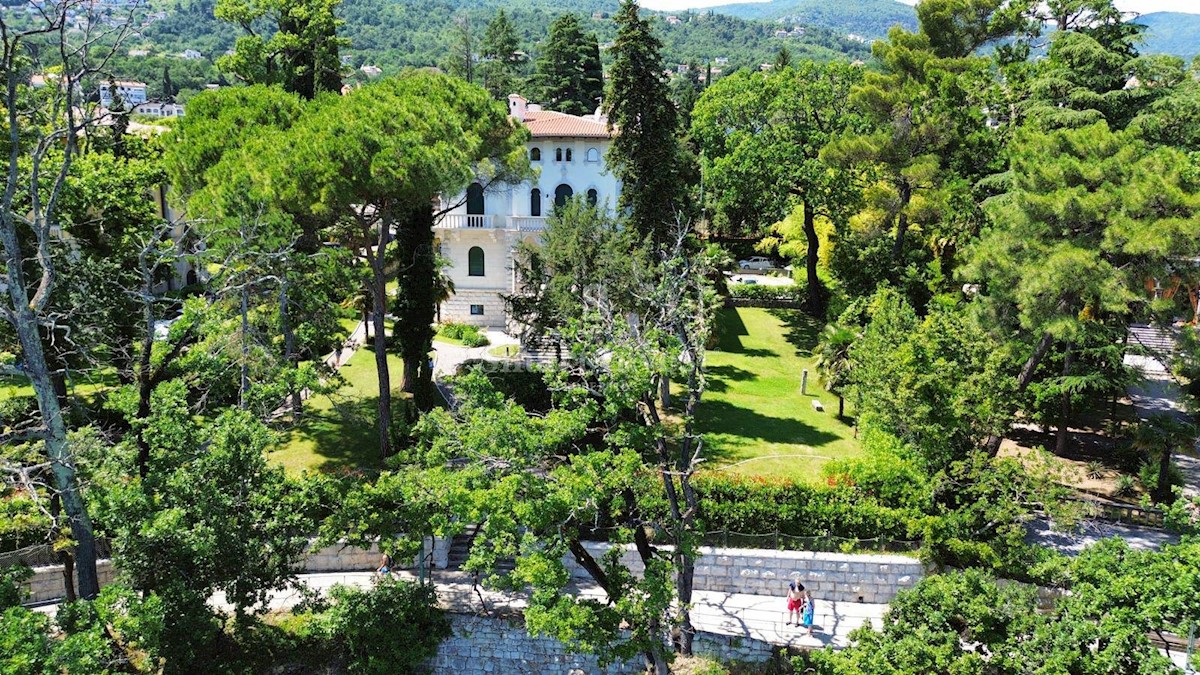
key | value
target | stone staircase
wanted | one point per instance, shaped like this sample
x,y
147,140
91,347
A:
x,y
460,550
1159,342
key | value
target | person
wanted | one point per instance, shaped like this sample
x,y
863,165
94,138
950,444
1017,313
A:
x,y
385,565
795,600
809,611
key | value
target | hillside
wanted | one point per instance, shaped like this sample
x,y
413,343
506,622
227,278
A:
x,y
1171,33
394,34
868,18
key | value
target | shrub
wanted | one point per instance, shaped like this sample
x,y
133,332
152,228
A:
x,y
758,506
1094,470
1125,486
466,333
515,381
392,628
1148,475
17,409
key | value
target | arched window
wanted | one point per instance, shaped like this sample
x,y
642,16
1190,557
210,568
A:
x,y
558,154
475,199
535,202
568,154
593,155
475,262
535,155
593,197
561,194
192,280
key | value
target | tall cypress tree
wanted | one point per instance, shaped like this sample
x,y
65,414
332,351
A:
x,y
569,77
645,153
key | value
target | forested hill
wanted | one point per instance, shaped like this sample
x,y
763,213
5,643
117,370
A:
x,y
397,33
868,18
1171,33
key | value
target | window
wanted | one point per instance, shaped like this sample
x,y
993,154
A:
x,y
535,202
475,262
593,155
561,194
476,310
593,197
558,154
535,155
568,154
475,199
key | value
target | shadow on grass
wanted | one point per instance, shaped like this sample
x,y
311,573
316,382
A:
x,y
800,329
722,417
719,377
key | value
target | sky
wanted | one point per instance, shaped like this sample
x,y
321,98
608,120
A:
x,y
1139,6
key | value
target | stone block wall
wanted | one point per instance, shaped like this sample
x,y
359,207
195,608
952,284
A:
x,y
839,577
485,645
46,584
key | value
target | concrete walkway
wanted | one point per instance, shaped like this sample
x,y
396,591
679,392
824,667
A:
x,y
448,357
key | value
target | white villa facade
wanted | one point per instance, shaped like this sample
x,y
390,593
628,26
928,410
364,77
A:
x,y
479,235
131,93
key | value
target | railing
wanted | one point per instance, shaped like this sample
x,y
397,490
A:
x,y
463,221
781,541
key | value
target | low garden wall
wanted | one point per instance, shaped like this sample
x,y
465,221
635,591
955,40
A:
x,y
839,577
46,584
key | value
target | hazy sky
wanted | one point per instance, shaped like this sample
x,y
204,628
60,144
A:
x,y
1140,6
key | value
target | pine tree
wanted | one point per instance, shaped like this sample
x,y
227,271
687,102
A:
x,y
645,153
500,56
569,78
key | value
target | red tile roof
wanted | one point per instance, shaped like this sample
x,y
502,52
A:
x,y
547,123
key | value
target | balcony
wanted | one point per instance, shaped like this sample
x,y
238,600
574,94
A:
x,y
462,221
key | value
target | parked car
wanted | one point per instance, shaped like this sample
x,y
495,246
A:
x,y
757,262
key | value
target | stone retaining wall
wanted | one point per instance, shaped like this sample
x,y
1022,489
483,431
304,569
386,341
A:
x,y
485,645
830,576
46,584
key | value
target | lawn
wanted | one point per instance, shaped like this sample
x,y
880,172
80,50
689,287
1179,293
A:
x,y
338,430
86,385
754,419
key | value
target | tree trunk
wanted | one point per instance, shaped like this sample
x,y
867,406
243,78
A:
x,y
64,557
992,444
289,348
902,222
664,391
379,297
244,389
841,407
62,461
816,293
1060,443
1162,491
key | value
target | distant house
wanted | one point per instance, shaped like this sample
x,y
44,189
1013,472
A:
x,y
721,60
139,52
371,71
485,224
157,109
191,54
673,20
781,33
131,93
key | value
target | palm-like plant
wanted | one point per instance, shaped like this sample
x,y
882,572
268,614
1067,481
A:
x,y
833,360
1163,435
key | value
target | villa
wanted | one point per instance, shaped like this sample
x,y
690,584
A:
x,y
480,233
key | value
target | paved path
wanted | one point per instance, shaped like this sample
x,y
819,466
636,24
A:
x,y
447,357
749,616
1089,532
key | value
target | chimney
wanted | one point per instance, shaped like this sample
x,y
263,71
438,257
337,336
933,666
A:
x,y
517,105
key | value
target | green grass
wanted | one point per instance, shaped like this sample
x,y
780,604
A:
x,y
83,385
338,430
505,351
754,419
